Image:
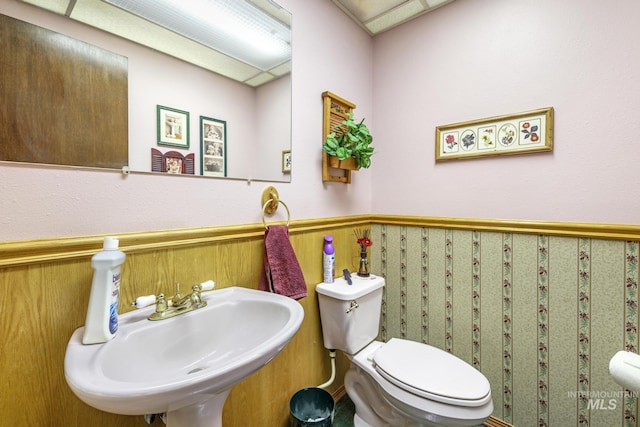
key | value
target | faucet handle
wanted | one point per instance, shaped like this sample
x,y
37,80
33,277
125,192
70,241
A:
x,y
177,297
196,298
207,286
144,301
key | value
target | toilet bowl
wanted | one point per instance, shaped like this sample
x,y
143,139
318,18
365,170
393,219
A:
x,y
426,387
400,382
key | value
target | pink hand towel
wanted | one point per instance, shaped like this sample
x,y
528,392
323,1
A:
x,y
282,273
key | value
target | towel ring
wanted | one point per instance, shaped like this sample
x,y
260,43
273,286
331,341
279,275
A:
x,y
266,204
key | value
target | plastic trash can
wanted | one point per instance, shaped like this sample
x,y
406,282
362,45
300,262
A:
x,y
311,407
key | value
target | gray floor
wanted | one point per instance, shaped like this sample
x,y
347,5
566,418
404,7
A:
x,y
344,413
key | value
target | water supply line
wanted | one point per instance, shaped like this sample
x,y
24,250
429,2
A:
x,y
332,356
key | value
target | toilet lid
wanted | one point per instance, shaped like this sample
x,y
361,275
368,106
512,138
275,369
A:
x,y
431,373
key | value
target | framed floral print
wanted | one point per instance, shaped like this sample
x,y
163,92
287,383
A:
x,y
531,131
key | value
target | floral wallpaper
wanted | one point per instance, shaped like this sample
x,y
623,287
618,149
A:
x,y
540,316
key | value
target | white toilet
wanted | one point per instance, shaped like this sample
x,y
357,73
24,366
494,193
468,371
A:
x,y
401,382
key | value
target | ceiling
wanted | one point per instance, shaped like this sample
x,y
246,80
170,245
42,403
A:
x,y
374,16
377,16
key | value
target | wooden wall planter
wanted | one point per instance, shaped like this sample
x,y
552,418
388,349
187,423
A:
x,y
346,164
334,113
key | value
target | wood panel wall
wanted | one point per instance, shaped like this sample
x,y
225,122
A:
x,y
44,292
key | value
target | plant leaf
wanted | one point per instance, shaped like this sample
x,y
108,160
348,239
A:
x,y
343,153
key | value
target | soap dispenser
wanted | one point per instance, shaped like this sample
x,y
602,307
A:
x,y
102,314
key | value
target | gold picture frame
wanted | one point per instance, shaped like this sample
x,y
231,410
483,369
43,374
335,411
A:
x,y
530,131
286,161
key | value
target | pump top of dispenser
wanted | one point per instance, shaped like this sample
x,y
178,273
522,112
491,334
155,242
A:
x,y
110,243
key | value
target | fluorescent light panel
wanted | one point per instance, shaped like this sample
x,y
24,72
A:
x,y
265,41
132,27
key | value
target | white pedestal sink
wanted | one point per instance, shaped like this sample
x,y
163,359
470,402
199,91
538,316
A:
x,y
184,366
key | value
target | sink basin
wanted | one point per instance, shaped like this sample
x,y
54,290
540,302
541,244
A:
x,y
184,366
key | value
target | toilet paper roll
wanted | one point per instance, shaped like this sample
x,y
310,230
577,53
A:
x,y
624,367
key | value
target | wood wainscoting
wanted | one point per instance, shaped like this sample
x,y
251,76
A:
x,y
45,285
44,292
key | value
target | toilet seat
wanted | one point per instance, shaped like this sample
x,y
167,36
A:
x,y
431,373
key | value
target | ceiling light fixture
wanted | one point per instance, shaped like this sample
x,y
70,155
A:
x,y
265,42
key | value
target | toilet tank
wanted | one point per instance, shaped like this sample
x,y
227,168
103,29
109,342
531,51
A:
x,y
350,314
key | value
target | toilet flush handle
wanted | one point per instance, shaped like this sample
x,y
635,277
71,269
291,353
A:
x,y
352,306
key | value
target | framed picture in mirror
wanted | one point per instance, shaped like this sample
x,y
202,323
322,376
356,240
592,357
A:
x,y
172,162
286,161
173,127
213,147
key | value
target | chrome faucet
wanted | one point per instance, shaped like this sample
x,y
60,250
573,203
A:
x,y
177,304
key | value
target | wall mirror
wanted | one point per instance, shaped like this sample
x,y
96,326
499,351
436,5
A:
x,y
232,121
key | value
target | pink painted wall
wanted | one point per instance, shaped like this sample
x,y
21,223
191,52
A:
x,y
476,59
465,61
44,202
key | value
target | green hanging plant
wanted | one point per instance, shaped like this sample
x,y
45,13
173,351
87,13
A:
x,y
351,139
